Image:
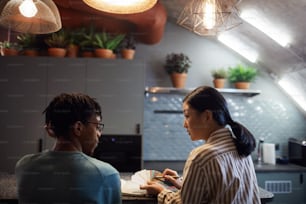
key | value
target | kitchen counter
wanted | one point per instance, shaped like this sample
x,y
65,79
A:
x,y
8,192
279,168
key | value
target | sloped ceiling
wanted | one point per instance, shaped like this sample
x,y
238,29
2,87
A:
x,y
289,16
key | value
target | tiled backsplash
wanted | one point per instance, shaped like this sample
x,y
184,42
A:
x,y
165,138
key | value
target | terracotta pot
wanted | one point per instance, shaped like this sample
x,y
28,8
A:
x,y
219,83
128,53
242,85
104,53
72,50
57,52
10,52
178,79
30,53
87,54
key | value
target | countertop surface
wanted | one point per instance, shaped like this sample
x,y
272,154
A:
x,y
279,168
8,189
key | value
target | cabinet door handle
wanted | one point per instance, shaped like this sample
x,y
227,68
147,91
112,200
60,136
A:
x,y
40,145
137,128
301,179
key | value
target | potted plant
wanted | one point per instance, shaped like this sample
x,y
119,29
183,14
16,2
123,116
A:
x,y
28,42
87,41
74,38
177,66
57,43
105,44
9,48
128,47
242,75
219,76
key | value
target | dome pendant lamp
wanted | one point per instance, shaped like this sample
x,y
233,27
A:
x,y
121,6
30,16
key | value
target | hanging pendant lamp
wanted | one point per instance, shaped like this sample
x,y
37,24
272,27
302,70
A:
x,y
209,17
40,17
121,6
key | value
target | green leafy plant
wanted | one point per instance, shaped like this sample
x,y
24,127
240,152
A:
x,y
129,42
87,38
27,41
242,73
74,36
219,73
58,39
107,41
177,62
10,45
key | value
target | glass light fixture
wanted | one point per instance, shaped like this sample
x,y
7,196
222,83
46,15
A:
x,y
209,13
15,15
238,47
257,20
121,6
27,8
209,17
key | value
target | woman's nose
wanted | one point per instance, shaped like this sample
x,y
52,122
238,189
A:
x,y
185,124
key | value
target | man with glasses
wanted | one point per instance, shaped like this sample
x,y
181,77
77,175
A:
x,y
68,173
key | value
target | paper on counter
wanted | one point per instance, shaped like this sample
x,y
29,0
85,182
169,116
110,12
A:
x,y
132,187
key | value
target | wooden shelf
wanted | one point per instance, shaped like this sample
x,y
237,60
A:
x,y
171,90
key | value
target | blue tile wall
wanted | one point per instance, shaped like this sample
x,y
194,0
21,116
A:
x,y
165,138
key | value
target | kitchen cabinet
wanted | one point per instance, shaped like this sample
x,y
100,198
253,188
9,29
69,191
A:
x,y
287,187
27,84
22,92
304,177
118,86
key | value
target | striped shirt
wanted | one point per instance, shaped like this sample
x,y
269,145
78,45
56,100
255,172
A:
x,y
215,173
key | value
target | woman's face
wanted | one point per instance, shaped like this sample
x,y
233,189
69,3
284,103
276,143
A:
x,y
194,123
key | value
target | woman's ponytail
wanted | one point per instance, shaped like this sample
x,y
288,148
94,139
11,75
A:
x,y
244,139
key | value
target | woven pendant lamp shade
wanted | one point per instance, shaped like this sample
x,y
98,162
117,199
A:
x,y
121,6
46,20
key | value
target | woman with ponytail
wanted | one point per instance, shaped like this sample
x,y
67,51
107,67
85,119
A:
x,y
221,170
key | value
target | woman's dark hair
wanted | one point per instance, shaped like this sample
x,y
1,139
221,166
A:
x,y
207,98
66,109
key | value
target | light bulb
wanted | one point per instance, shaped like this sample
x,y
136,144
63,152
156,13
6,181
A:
x,y
27,8
209,14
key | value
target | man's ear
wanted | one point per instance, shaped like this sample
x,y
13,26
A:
x,y
77,128
49,130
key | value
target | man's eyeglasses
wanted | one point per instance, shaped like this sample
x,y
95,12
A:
x,y
100,126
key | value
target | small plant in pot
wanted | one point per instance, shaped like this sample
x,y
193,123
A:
x,y
29,44
9,48
74,37
87,41
177,66
242,75
128,47
219,76
57,43
105,43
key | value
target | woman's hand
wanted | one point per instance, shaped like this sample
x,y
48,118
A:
x,y
152,188
170,172
172,177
